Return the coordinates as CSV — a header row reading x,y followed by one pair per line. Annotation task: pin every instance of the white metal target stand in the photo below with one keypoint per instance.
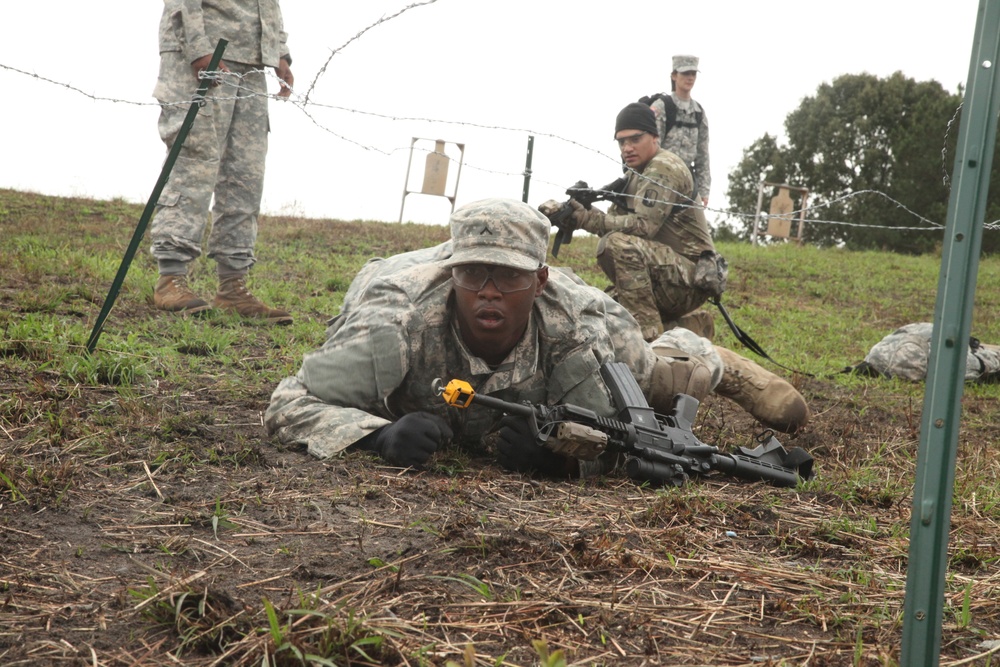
x,y
781,215
435,173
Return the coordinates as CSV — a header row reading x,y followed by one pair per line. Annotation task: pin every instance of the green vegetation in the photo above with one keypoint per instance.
x,y
875,153
147,519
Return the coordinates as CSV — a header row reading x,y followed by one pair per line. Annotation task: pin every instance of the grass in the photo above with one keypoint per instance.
x,y
146,519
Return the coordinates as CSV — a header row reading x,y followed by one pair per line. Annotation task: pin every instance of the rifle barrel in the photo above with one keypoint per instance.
x,y
519,409
752,469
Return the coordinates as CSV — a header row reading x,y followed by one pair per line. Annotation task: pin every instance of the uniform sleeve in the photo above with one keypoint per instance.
x,y
701,161
338,395
196,40
629,346
282,35
651,206
604,332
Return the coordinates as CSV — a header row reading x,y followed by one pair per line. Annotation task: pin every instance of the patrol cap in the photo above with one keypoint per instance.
x,y
498,231
685,63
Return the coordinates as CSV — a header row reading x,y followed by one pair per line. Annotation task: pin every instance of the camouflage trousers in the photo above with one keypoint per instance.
x,y
223,155
651,280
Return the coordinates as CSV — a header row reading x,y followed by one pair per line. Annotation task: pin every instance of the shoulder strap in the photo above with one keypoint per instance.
x,y
669,108
669,112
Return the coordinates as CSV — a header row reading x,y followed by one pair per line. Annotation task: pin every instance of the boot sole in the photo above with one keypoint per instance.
x,y
196,310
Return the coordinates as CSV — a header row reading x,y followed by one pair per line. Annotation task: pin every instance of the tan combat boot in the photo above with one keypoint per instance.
x,y
172,293
234,296
769,398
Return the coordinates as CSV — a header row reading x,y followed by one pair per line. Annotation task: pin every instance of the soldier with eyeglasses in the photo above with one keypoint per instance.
x,y
656,247
482,307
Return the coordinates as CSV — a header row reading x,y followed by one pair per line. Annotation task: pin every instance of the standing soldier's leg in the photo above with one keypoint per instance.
x,y
181,213
238,196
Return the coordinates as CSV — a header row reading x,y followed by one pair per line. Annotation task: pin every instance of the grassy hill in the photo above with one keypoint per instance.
x,y
146,519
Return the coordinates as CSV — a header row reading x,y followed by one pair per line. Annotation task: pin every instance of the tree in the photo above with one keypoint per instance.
x,y
875,153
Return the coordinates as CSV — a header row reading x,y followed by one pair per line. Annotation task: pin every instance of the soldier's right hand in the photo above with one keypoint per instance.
x,y
202,63
411,440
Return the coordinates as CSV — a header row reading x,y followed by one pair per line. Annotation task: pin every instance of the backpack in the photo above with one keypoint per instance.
x,y
905,353
670,111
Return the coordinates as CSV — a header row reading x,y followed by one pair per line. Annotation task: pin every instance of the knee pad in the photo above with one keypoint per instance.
x,y
676,372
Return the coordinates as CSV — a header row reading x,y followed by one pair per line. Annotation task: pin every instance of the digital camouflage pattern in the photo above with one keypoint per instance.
x,y
649,247
224,153
380,360
688,139
253,29
906,351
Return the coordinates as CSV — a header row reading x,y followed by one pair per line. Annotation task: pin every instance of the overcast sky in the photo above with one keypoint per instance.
x,y
485,73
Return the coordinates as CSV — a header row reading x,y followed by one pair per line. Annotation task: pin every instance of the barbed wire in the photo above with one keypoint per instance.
x,y
233,81
946,178
322,70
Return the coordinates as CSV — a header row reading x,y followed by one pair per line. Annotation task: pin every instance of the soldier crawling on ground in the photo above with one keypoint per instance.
x,y
484,307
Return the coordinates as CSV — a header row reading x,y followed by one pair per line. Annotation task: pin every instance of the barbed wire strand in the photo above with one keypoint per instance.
x,y
322,70
301,102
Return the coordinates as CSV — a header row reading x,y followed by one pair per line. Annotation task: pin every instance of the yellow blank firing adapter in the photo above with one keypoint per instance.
x,y
457,393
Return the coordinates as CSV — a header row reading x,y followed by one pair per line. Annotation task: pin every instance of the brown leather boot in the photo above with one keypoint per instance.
x,y
769,398
234,296
172,293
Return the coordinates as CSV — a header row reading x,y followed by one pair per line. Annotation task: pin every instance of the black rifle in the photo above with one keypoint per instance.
x,y
661,449
581,192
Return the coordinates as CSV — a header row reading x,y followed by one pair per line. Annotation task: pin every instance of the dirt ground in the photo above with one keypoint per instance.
x,y
165,528
145,564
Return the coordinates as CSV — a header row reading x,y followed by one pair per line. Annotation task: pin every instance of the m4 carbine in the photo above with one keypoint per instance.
x,y
581,192
660,449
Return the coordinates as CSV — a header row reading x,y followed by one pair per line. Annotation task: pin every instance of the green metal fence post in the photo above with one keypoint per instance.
x,y
196,103
935,477
527,169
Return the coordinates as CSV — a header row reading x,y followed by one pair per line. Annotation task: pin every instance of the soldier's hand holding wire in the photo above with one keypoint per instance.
x,y
285,76
201,64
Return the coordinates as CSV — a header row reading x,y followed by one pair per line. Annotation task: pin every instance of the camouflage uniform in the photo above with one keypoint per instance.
x,y
649,248
688,139
225,150
906,351
380,360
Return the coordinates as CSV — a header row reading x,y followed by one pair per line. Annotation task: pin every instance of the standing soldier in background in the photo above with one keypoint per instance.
x,y
224,152
683,125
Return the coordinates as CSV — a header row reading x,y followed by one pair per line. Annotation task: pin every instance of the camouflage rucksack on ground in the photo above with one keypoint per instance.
x,y
906,351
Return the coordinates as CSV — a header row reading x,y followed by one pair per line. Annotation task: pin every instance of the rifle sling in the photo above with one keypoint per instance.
x,y
744,338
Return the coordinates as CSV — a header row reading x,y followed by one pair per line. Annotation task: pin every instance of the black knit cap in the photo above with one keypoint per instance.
x,y
636,116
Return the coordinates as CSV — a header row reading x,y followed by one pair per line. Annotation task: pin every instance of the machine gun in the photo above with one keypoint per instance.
x,y
660,449
562,218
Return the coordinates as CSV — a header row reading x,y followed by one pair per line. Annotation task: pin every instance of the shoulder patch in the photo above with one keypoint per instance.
x,y
650,197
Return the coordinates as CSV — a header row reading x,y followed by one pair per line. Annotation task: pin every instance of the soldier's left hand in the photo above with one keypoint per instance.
x,y
588,219
285,78
550,208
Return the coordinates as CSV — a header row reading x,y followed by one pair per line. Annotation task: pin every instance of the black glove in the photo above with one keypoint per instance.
x,y
411,440
518,450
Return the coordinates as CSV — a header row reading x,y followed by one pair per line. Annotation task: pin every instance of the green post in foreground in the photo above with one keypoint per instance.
x,y
935,478
196,103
